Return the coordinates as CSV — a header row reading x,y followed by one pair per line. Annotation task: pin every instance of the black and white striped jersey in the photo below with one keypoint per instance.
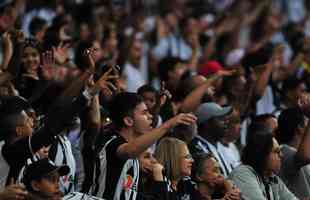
x,y
115,178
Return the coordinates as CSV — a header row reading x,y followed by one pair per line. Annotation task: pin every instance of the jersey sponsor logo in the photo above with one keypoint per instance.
x,y
128,182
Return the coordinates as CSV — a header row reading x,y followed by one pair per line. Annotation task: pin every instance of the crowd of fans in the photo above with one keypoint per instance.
x,y
145,100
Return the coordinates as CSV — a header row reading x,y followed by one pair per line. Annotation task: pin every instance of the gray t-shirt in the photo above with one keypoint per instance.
x,y
297,179
252,187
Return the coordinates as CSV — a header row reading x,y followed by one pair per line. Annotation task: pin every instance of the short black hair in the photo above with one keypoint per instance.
x,y
146,88
259,146
166,65
261,57
185,87
291,83
288,122
199,159
11,108
262,119
8,125
31,42
36,25
122,105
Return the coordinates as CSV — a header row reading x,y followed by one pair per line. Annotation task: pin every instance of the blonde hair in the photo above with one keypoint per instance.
x,y
168,153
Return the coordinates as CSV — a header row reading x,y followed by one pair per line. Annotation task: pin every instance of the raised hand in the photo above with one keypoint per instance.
x,y
164,94
157,171
90,60
277,55
13,192
48,65
7,49
183,118
103,82
227,25
222,73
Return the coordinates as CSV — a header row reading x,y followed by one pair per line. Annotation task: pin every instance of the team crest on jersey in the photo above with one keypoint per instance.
x,y
127,184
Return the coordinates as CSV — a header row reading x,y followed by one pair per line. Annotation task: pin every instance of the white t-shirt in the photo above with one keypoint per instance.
x,y
265,104
172,46
231,154
135,77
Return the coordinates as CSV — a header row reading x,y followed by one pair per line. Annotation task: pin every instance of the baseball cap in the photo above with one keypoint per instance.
x,y
42,168
210,67
210,110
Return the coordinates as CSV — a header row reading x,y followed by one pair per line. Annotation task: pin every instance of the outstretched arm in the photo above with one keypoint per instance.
x,y
133,149
193,100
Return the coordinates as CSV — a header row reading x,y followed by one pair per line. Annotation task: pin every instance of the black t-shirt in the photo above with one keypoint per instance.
x,y
121,175
186,190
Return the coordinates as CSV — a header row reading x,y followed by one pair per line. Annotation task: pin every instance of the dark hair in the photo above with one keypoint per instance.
x,y
31,42
257,30
185,87
291,83
288,122
146,88
198,167
51,38
259,146
261,120
166,65
8,125
122,105
79,58
253,59
183,132
294,36
36,25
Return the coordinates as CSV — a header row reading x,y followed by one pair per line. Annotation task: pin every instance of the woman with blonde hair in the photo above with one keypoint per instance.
x,y
174,155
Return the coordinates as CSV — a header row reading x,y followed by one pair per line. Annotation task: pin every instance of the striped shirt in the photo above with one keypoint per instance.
x,y
115,178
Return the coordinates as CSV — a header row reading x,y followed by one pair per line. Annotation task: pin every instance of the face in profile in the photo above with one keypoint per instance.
x,y
211,175
186,162
147,160
48,186
25,125
274,158
142,119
